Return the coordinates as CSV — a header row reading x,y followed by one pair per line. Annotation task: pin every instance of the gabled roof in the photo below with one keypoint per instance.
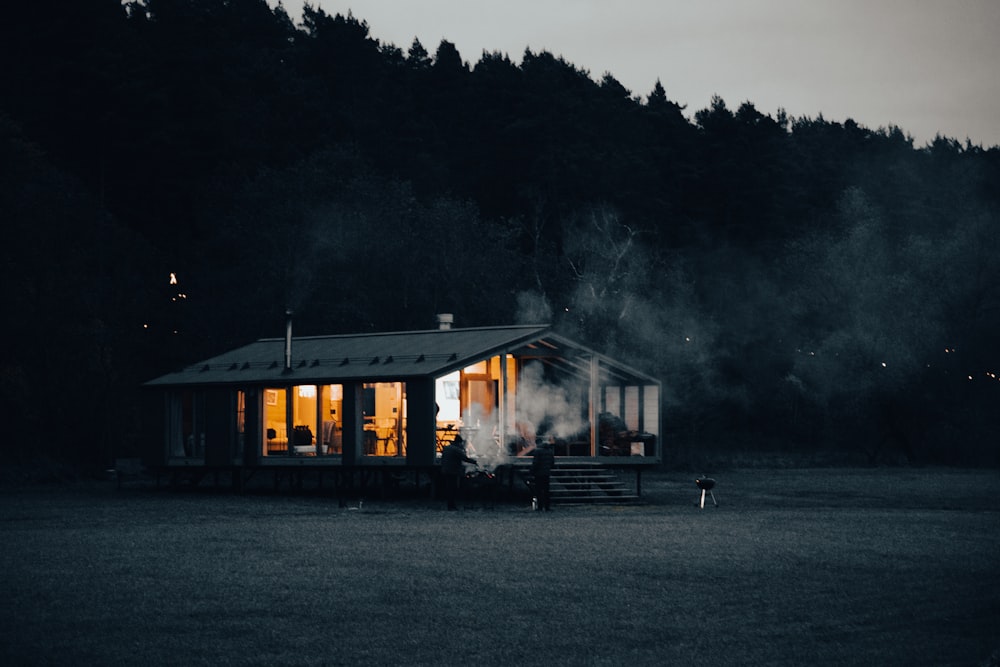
x,y
391,356
375,356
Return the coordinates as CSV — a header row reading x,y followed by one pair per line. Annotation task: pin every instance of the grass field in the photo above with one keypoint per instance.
x,y
795,567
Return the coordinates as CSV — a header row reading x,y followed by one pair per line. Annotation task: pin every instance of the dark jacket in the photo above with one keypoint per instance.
x,y
452,457
543,460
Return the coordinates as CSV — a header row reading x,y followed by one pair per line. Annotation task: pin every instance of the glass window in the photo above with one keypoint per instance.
x,y
468,403
612,400
631,413
651,409
331,405
304,420
275,430
241,421
384,414
630,422
186,434
448,406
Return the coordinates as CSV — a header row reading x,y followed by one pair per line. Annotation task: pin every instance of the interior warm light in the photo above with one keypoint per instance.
x,y
307,391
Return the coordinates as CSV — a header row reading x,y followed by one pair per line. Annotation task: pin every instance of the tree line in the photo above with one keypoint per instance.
x,y
798,283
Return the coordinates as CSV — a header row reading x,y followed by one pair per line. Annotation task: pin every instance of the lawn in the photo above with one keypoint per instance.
x,y
887,566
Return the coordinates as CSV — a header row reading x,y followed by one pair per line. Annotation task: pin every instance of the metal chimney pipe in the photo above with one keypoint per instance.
x,y
288,340
445,321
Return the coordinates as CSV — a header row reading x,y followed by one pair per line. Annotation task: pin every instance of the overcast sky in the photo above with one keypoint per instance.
x,y
928,66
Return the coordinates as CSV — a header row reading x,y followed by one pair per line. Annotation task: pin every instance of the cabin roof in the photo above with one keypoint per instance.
x,y
380,356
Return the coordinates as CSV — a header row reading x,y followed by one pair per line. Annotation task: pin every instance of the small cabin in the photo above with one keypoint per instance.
x,y
395,399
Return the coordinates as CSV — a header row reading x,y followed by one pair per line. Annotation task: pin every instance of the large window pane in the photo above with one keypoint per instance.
x,y
186,425
331,412
651,409
384,412
304,428
275,429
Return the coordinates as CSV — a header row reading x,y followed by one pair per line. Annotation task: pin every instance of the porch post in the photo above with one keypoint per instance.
x,y
595,399
252,426
320,418
420,424
353,423
504,398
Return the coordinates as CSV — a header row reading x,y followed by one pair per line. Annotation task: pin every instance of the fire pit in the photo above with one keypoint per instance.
x,y
706,484
480,485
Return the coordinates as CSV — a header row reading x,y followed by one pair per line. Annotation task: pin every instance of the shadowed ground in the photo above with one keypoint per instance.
x,y
795,567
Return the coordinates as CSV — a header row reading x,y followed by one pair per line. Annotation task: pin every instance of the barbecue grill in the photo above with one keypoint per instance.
x,y
706,484
481,485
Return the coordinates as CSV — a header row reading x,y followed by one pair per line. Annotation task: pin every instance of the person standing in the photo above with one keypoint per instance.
x,y
543,459
453,457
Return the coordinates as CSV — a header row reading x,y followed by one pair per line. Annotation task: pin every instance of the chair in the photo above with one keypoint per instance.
x,y
331,437
385,432
272,446
445,435
370,441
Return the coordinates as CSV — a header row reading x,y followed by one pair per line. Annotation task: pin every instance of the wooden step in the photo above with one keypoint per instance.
x,y
586,484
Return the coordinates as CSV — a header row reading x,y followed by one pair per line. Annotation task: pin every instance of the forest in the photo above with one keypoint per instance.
x,y
175,174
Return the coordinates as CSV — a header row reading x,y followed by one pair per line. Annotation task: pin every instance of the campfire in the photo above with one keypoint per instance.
x,y
481,484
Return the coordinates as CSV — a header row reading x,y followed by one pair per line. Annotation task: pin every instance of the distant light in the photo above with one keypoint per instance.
x,y
173,278
687,339
883,364
970,377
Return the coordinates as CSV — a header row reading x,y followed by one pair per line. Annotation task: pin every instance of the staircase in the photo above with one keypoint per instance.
x,y
585,484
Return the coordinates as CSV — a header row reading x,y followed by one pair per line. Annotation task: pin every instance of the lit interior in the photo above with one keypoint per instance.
x,y
307,420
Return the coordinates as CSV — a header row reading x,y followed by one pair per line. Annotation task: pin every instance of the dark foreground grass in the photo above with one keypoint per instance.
x,y
796,567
